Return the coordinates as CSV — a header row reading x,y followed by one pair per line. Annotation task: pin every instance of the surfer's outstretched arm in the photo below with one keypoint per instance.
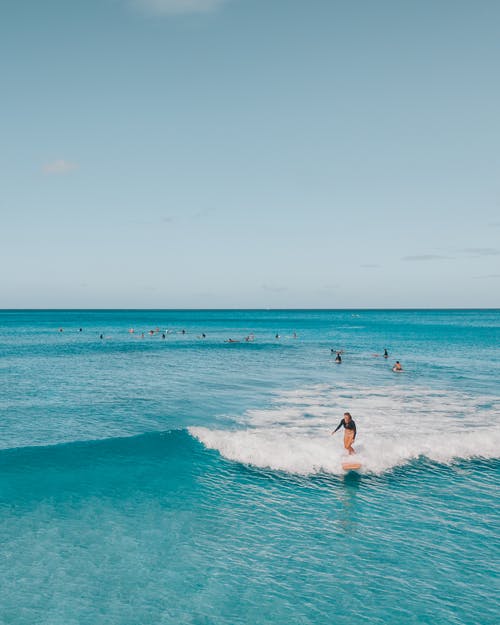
x,y
338,426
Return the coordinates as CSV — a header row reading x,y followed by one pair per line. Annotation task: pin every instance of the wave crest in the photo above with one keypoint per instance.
x,y
395,426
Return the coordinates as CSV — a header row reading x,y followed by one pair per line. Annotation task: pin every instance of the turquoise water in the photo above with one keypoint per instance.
x,y
190,480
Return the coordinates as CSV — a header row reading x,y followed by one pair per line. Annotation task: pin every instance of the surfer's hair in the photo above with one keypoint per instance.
x,y
347,414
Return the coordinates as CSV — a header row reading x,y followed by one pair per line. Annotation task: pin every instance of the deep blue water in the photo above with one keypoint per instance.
x,y
191,480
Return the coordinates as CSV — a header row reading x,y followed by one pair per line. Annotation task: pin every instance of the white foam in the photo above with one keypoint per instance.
x,y
395,426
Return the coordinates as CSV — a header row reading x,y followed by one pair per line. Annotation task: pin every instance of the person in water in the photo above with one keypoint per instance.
x,y
386,353
397,366
349,432
338,358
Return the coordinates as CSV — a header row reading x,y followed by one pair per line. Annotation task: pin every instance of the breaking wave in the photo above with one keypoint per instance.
x,y
395,426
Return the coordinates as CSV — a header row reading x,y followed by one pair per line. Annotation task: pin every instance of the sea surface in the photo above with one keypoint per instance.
x,y
190,480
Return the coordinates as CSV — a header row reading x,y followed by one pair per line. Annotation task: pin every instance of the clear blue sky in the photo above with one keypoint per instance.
x,y
250,153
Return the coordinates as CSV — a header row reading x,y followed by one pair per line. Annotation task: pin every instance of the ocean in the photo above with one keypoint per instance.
x,y
168,476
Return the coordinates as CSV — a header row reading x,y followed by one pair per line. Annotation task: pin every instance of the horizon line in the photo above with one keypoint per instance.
x,y
264,309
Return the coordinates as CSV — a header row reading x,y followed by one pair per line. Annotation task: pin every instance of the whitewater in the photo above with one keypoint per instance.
x,y
395,426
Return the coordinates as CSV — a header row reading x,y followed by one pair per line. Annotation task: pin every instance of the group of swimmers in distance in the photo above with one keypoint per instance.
x,y
251,337
248,338
338,358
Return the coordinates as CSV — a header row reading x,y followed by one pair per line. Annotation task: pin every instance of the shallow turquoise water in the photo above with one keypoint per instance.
x,y
188,480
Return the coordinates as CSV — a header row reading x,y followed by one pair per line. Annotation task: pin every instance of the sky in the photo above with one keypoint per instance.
x,y
249,154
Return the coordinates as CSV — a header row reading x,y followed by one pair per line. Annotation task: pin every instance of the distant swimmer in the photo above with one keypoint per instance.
x,y
277,336
101,336
397,366
203,335
338,358
61,329
131,331
231,341
81,330
163,336
295,335
349,432
386,354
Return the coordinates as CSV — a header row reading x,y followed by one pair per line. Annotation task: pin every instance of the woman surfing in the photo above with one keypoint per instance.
x,y
349,432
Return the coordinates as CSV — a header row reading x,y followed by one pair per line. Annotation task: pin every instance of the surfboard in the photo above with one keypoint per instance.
x,y
349,465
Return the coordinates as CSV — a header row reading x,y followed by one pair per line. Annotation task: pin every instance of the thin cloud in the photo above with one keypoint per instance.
x,y
204,212
370,266
176,7
481,251
330,287
153,222
424,257
59,167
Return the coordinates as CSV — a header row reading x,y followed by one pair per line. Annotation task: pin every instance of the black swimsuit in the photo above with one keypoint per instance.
x,y
348,426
